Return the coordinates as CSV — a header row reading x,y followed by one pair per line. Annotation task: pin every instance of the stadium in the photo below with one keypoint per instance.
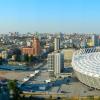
x,y
86,65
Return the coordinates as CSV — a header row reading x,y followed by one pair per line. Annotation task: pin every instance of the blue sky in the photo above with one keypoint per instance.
x,y
50,16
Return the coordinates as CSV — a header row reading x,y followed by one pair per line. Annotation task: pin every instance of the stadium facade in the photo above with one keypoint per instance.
x,y
86,64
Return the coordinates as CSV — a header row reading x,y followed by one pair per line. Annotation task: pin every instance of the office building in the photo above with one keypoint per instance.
x,y
94,37
83,44
58,63
96,40
56,44
50,63
55,63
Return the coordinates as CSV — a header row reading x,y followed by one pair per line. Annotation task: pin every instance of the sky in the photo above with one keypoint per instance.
x,y
22,16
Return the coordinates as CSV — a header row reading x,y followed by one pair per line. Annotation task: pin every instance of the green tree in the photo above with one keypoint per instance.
x,y
26,57
90,97
30,58
17,52
18,58
9,56
50,98
14,90
1,61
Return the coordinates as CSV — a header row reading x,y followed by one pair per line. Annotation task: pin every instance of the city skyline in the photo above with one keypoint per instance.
x,y
49,16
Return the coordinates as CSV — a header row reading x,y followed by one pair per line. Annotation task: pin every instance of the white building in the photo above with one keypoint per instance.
x,y
55,63
94,39
29,43
56,44
58,63
83,44
51,62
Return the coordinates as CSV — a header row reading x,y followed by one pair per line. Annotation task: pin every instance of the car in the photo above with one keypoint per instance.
x,y
32,90
91,89
63,92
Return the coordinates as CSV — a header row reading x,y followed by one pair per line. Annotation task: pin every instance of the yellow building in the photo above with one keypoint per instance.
x,y
90,42
13,57
4,54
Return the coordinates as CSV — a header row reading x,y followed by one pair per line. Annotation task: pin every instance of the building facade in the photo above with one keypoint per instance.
x,y
56,44
34,49
58,63
55,63
36,46
86,65
50,63
95,40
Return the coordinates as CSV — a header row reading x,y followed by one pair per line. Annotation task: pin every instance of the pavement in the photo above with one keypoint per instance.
x,y
75,88
18,75
72,88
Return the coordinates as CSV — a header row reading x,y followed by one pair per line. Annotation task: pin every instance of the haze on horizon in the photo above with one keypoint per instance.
x,y
49,16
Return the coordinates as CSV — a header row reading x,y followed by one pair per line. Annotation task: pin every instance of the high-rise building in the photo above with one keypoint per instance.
x,y
58,63
55,63
56,44
83,44
99,40
50,63
36,46
95,40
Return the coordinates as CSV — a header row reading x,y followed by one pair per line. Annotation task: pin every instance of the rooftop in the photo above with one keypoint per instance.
x,y
87,63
